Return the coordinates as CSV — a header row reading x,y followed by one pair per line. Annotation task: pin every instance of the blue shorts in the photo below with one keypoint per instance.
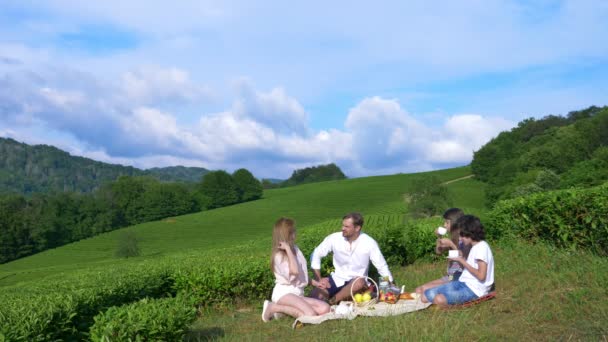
x,y
456,292
333,289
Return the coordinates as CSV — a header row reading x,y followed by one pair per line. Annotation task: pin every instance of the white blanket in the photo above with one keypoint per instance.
x,y
346,310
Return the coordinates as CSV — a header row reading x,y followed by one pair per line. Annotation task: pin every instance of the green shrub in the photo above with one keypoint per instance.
x,y
63,308
573,219
165,319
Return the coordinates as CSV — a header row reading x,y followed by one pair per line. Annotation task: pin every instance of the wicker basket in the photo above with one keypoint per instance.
x,y
369,302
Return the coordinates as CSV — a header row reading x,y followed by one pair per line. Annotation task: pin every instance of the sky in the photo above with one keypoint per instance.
x,y
377,88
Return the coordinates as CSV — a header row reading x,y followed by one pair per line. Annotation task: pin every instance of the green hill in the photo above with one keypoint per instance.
x,y
308,204
551,153
28,169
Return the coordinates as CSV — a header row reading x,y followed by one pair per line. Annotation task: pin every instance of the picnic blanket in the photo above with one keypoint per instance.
x,y
377,309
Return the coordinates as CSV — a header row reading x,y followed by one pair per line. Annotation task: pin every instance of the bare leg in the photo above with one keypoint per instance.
x,y
440,300
299,303
320,294
286,309
420,289
319,306
344,293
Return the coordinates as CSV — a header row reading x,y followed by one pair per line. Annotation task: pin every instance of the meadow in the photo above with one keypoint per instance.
x,y
308,204
544,292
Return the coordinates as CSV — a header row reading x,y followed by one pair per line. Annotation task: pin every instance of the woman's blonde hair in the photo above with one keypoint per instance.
x,y
284,231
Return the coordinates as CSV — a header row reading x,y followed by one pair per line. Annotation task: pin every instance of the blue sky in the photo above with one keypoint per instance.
x,y
377,88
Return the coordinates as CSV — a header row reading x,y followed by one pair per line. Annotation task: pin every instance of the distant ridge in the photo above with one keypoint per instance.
x,y
28,169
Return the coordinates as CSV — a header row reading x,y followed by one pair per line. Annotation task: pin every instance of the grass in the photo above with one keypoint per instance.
x,y
544,294
308,204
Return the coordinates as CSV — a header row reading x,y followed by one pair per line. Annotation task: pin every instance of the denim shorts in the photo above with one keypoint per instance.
x,y
456,292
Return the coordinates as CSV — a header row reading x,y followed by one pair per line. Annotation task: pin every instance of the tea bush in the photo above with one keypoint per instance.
x,y
165,319
64,308
576,218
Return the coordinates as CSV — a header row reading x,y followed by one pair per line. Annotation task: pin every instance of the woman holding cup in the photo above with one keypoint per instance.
x,y
452,245
478,276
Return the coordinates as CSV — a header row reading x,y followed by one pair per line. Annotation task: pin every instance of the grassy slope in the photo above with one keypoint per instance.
x,y
544,294
308,204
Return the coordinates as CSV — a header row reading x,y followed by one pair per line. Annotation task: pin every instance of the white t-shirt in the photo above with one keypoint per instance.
x,y
350,259
480,251
281,270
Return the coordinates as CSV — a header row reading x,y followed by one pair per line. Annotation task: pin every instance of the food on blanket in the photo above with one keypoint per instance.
x,y
390,298
407,295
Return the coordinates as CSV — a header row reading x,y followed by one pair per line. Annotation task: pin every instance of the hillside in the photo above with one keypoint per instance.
x,y
28,169
551,153
218,228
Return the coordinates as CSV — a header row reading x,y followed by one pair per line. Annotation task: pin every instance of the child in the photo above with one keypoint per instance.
x,y
291,276
478,275
454,269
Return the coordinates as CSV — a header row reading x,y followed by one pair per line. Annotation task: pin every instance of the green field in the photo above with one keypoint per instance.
x,y
544,293
308,204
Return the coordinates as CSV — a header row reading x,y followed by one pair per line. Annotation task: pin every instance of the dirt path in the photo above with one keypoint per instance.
x,y
457,179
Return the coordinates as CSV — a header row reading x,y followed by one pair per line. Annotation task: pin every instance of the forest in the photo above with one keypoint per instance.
x,y
31,224
27,169
555,152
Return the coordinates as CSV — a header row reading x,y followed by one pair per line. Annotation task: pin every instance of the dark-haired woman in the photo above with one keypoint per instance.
x,y
478,275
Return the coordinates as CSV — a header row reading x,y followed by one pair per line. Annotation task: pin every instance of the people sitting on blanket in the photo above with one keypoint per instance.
x,y
352,251
443,244
291,276
478,275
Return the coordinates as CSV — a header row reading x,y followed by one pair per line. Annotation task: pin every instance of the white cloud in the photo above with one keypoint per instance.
x,y
157,85
273,109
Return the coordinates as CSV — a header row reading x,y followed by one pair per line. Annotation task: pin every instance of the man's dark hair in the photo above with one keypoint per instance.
x,y
356,217
453,214
471,227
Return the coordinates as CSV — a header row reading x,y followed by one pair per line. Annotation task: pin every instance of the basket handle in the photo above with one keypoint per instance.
x,y
364,278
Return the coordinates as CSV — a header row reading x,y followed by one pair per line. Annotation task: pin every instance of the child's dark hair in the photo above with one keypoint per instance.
x,y
453,214
471,227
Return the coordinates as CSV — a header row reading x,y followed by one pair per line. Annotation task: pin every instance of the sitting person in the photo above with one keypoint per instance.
x,y
291,276
454,268
352,251
478,275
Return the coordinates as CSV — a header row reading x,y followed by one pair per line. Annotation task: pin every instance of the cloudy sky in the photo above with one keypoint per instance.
x,y
375,87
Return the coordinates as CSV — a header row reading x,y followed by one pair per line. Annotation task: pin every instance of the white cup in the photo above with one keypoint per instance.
x,y
442,231
453,253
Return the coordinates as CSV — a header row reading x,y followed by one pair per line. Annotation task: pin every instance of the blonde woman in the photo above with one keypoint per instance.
x,y
291,276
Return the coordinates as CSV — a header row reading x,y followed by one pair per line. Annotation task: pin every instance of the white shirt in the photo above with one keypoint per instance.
x,y
481,251
281,270
351,259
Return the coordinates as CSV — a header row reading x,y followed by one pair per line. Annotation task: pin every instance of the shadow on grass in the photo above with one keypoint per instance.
x,y
206,334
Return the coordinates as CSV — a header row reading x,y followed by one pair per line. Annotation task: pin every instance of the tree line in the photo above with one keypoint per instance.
x,y
31,224
26,169
555,152
312,174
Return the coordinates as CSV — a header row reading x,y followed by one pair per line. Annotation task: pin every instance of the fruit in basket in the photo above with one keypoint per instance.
x,y
367,296
358,298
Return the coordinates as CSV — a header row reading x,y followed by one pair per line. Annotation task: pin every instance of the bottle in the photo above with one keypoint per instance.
x,y
382,288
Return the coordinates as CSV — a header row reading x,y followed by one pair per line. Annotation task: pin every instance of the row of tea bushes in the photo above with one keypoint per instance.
x,y
576,218
165,319
64,308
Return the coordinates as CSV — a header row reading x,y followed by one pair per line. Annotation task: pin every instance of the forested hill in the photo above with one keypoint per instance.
x,y
28,169
554,152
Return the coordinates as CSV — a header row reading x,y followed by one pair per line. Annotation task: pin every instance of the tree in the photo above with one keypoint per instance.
x,y
248,187
220,188
128,245
428,197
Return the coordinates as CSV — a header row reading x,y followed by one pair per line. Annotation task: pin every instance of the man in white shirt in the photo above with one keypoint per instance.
x,y
352,251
